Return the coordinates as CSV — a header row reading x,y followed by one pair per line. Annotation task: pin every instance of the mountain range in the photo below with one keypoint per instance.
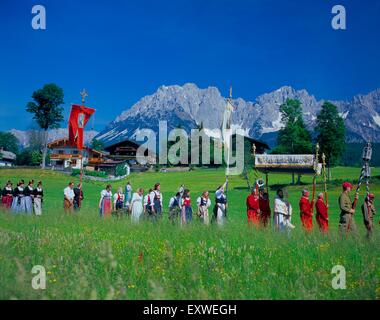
x,y
188,106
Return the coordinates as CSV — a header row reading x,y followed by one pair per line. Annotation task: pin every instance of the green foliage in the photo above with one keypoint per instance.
x,y
352,155
46,106
8,142
294,138
330,133
29,157
120,170
36,157
97,145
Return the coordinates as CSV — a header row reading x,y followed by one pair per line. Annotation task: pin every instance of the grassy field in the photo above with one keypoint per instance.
x,y
89,258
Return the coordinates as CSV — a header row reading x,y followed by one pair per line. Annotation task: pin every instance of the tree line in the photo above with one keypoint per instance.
x,y
329,132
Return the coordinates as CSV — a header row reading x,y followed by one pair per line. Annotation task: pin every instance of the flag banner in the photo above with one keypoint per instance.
x,y
79,117
227,133
302,163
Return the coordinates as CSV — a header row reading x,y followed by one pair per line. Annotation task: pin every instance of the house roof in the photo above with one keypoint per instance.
x,y
63,142
104,153
122,142
7,155
58,143
256,142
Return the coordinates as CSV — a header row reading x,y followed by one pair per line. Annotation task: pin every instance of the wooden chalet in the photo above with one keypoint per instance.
x,y
63,156
123,150
7,158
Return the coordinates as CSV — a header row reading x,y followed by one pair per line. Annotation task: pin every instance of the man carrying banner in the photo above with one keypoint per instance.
x,y
68,198
346,222
368,210
322,216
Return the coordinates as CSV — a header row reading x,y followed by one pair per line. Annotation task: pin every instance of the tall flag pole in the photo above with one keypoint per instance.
x,y
316,161
226,134
325,178
79,117
83,94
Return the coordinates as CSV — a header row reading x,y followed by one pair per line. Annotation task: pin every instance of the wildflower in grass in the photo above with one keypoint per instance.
x,y
141,256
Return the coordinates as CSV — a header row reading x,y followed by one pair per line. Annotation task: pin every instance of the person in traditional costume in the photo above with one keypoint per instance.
x,y
368,210
78,197
346,222
128,195
156,201
282,212
253,208
322,215
264,206
7,196
38,195
137,205
306,211
147,204
68,198
28,197
18,204
118,199
204,203
175,207
186,209
220,204
105,203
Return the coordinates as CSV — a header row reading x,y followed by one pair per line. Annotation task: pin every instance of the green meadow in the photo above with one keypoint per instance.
x,y
86,257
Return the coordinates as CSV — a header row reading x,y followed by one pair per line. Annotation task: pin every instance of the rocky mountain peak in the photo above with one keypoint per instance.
x,y
189,105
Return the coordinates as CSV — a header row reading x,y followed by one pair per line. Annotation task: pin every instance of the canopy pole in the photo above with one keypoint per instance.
x,y
325,178
83,94
365,172
315,175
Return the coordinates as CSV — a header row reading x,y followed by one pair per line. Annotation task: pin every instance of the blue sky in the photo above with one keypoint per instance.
x,y
122,50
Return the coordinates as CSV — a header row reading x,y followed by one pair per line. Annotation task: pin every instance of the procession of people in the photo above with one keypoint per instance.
x,y
28,199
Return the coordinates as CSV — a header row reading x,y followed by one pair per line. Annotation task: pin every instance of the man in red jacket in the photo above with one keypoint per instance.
x,y
322,214
306,211
253,208
264,207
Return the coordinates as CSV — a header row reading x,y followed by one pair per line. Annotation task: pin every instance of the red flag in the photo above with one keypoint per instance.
x,y
79,116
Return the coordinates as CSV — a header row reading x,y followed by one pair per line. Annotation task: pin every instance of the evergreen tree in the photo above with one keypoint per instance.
x,y
293,138
330,132
97,145
8,142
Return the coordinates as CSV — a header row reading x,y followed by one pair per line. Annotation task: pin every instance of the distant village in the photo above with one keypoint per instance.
x,y
113,160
